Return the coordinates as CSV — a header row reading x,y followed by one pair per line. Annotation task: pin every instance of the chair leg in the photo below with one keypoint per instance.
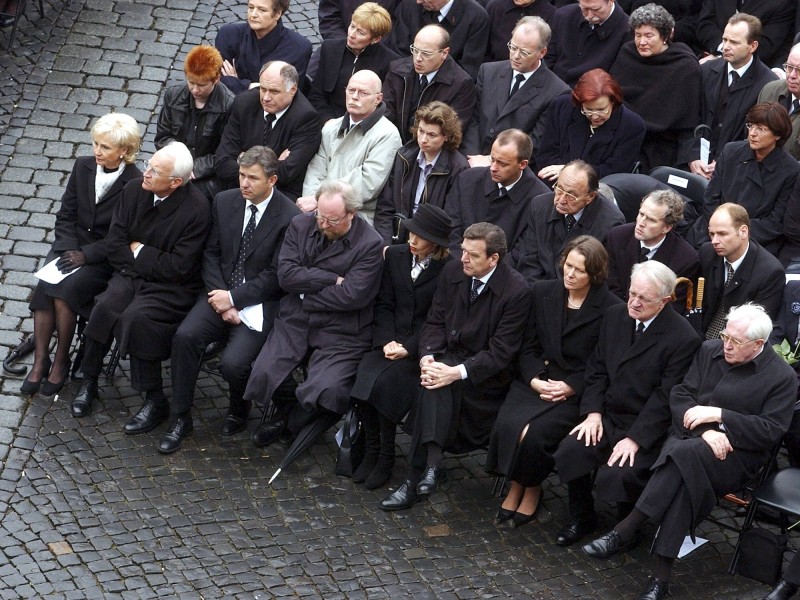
x,y
748,522
41,9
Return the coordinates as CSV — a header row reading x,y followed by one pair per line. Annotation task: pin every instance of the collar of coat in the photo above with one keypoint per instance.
x,y
365,124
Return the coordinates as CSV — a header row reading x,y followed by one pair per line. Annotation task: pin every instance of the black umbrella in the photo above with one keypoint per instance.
x,y
22,349
694,302
309,434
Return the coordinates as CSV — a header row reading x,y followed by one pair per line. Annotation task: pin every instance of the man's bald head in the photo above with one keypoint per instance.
x,y
363,94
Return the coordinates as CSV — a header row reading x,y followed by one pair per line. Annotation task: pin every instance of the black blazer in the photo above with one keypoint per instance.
x,y
261,263
298,131
759,279
613,148
82,223
785,326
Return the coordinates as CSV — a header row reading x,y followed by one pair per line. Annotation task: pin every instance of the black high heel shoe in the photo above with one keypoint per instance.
x,y
49,388
29,388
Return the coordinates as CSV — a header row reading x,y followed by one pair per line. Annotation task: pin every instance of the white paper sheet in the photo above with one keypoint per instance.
x,y
50,273
253,317
690,546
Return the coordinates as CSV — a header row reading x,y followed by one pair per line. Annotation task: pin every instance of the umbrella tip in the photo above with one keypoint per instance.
x,y
274,475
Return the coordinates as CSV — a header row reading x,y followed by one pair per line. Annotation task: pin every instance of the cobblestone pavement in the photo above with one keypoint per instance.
x,y
88,512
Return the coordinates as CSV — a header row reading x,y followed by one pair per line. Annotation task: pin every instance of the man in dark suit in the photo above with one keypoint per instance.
x,y
330,268
154,244
651,237
465,21
468,343
574,208
730,411
787,93
776,16
644,349
241,296
500,194
730,87
278,116
586,35
736,269
513,93
430,74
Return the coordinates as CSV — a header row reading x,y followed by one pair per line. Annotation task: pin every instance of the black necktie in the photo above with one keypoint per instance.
x,y
570,222
718,320
268,122
517,83
795,106
237,278
431,17
643,254
734,78
416,96
639,331
473,294
501,192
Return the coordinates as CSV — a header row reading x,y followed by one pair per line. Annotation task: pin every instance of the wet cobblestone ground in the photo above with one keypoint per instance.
x,y
88,512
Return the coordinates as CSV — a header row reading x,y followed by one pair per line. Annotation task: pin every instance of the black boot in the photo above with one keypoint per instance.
x,y
372,440
383,468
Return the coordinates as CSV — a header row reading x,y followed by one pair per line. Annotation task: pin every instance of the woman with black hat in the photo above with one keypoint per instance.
x,y
388,379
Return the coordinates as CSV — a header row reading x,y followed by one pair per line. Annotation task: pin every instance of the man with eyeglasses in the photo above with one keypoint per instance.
x,y
731,409
736,269
499,194
429,74
574,207
730,87
465,20
358,148
786,92
644,349
513,93
276,115
155,243
330,268
586,36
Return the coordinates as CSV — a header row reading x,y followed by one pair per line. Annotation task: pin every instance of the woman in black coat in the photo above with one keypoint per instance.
x,y
340,58
542,405
591,124
82,223
388,379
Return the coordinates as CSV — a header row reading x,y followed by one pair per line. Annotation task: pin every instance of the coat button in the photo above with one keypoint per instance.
x,y
453,332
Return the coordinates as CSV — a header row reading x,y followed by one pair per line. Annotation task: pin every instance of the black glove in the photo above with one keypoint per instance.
x,y
71,260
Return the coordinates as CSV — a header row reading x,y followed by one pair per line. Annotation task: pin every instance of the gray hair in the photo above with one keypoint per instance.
x,y
288,73
262,156
352,201
659,274
183,163
541,27
656,17
759,323
669,199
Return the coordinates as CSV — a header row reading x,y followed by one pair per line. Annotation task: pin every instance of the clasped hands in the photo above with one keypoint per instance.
x,y
394,351
436,375
70,260
552,390
718,442
220,301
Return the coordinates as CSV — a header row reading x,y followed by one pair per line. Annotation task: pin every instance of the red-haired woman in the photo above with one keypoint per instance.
x,y
195,113
590,124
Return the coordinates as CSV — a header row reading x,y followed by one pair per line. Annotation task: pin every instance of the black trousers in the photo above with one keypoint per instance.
x,y
201,327
673,512
145,373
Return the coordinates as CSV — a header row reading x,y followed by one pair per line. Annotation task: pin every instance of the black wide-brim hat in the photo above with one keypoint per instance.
x,y
430,223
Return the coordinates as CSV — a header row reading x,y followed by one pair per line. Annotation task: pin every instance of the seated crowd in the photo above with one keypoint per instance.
x,y
305,210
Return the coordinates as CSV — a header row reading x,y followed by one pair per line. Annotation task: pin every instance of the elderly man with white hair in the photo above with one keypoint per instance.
x,y
734,405
155,243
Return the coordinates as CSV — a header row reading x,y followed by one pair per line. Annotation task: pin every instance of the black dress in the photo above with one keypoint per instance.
x,y
82,224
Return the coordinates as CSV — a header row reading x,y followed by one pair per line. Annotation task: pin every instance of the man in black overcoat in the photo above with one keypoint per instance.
x,y
644,349
330,268
155,244
240,295
468,343
276,115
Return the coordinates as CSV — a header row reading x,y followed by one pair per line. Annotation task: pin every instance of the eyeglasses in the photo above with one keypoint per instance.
x,y
791,68
331,222
759,129
154,171
423,53
588,112
726,339
514,48
562,192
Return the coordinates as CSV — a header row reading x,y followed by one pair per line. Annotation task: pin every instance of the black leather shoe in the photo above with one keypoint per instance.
x,y
783,591
6,20
655,590
51,389
504,514
403,497
519,519
268,432
432,478
28,387
236,419
84,398
172,439
573,531
150,416
609,544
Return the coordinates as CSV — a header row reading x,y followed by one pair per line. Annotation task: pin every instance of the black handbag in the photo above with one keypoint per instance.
x,y
761,555
351,447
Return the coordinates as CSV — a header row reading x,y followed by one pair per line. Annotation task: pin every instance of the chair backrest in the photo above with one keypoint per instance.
x,y
689,185
629,189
